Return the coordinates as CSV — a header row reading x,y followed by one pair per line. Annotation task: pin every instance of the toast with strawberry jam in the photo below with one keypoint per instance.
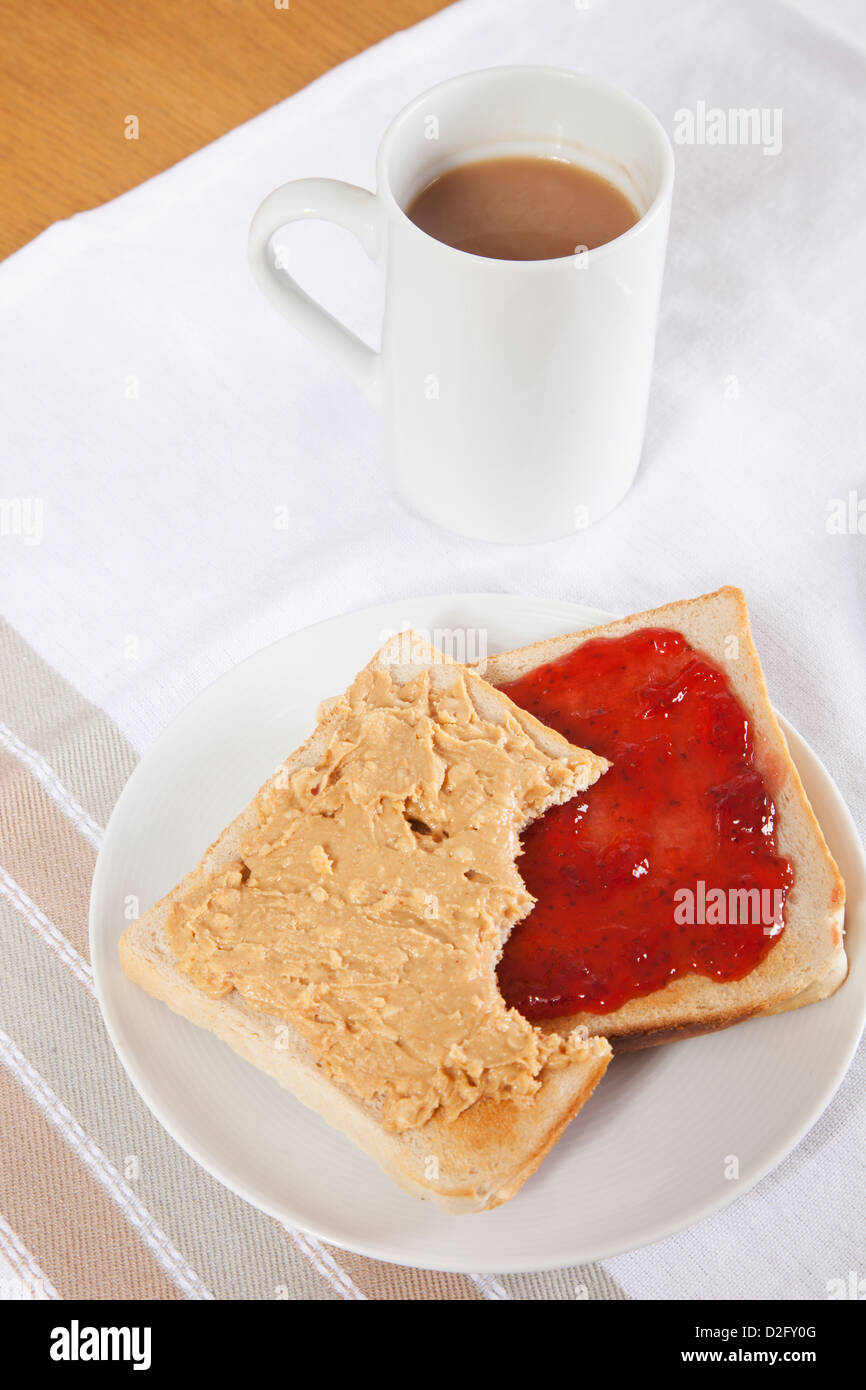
x,y
692,887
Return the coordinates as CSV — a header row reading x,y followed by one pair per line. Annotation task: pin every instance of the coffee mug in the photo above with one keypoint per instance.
x,y
514,392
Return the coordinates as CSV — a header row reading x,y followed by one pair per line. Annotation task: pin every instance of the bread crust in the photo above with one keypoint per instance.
x,y
472,1163
808,962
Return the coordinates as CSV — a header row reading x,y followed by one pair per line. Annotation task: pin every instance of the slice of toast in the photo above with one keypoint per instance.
x,y
808,962
468,1162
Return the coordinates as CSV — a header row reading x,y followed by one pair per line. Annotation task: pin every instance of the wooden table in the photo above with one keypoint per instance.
x,y
73,71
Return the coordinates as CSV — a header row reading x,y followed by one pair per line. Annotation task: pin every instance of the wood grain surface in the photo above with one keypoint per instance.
x,y
72,71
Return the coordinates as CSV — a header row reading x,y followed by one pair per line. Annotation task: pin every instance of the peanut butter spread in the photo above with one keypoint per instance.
x,y
369,906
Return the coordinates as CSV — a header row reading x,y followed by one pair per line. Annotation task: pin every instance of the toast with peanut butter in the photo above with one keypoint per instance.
x,y
343,933
720,818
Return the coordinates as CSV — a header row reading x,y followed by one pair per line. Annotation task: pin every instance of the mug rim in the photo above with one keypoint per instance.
x,y
662,197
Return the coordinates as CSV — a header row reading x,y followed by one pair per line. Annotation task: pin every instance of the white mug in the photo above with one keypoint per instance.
x,y
515,392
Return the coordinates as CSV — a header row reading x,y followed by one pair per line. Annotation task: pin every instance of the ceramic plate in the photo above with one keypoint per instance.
x,y
644,1158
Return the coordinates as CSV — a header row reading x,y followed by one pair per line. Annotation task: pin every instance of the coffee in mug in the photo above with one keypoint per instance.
x,y
522,208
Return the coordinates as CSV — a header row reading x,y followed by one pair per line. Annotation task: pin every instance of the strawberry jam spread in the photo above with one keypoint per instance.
x,y
638,881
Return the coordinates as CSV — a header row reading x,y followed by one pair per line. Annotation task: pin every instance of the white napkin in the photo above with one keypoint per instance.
x,y
159,413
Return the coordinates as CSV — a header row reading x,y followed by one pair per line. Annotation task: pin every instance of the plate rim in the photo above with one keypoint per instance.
x,y
699,1209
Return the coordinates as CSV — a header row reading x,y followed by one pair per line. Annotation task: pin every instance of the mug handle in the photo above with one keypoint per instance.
x,y
327,200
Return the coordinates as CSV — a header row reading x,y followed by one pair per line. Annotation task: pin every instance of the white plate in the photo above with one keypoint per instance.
x,y
644,1158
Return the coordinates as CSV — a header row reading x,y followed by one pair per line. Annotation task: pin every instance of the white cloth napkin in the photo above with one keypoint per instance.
x,y
158,415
